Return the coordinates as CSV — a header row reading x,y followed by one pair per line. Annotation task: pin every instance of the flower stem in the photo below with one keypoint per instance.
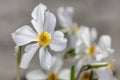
x,y
72,76
90,66
19,51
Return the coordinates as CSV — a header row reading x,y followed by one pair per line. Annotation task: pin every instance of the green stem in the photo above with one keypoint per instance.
x,y
90,66
72,73
19,51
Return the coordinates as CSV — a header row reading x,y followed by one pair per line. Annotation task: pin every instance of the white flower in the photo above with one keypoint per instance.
x,y
56,73
104,49
65,16
105,74
44,23
85,41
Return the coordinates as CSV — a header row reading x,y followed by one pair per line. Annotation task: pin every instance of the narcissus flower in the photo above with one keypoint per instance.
x,y
44,39
57,73
85,42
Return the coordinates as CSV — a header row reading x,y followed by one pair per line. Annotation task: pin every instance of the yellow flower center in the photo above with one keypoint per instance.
x,y
111,66
53,76
44,38
75,28
86,76
91,50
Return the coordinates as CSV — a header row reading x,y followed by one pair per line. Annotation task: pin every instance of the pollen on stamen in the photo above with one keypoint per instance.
x,y
111,65
44,39
91,50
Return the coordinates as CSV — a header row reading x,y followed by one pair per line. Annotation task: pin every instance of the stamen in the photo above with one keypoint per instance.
x,y
44,38
111,66
91,50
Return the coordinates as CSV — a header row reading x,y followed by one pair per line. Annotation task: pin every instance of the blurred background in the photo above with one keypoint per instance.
x,y
102,14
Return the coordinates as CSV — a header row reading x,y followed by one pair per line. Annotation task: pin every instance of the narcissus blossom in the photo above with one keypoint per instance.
x,y
86,38
44,38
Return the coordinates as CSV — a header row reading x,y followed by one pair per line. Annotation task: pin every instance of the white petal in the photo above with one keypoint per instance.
x,y
85,35
58,34
64,74
57,64
65,16
79,47
105,42
105,74
101,56
24,35
58,42
37,26
70,10
30,50
50,22
45,58
38,14
72,41
93,34
79,65
36,75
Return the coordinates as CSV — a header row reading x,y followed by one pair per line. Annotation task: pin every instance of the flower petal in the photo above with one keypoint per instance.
x,y
45,58
64,74
57,64
38,14
58,42
93,34
50,22
36,75
101,56
84,33
105,74
30,50
105,42
24,35
65,16
79,46
37,26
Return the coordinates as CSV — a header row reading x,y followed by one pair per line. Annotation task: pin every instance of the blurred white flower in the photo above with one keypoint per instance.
x,y
104,49
44,23
105,74
55,74
85,40
73,36
65,16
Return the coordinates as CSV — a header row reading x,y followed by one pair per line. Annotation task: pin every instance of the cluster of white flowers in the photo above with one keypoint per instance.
x,y
81,47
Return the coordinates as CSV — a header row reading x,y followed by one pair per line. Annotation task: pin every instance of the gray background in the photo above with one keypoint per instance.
x,y
102,14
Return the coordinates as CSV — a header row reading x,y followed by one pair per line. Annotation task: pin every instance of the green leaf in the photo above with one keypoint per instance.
x,y
72,73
